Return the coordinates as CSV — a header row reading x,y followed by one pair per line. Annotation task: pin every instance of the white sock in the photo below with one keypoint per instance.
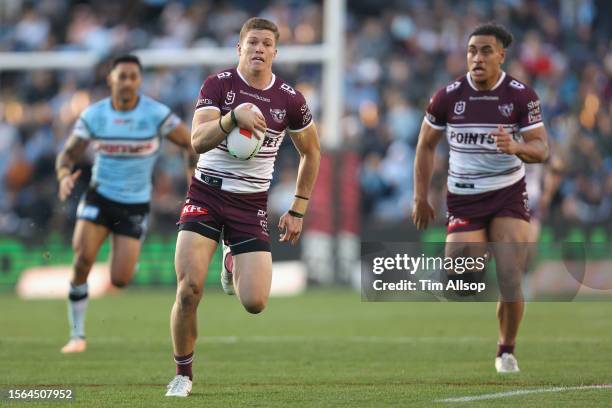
x,y
77,306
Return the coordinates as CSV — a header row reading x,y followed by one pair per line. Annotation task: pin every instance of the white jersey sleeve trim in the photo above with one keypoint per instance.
x,y
534,126
169,124
299,130
208,107
437,127
81,129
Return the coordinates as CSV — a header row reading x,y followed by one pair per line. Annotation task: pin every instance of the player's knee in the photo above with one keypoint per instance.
x,y
119,282
255,306
83,264
189,294
510,286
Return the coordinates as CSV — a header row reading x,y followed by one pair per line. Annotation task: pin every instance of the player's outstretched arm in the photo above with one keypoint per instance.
x,y
533,149
73,149
181,137
209,128
429,138
307,144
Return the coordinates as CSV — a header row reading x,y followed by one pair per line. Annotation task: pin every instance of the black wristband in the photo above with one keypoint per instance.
x,y
233,116
301,197
221,126
295,214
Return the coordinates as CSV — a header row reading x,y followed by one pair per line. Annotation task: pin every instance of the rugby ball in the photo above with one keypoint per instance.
x,y
242,143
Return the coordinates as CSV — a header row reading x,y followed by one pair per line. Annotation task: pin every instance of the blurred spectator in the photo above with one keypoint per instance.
x,y
397,54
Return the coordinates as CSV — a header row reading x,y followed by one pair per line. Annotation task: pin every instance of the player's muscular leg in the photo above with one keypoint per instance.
x,y
192,257
252,279
510,236
471,244
86,242
124,256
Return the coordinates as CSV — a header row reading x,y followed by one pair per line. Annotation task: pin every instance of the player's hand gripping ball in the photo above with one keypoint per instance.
x,y
242,143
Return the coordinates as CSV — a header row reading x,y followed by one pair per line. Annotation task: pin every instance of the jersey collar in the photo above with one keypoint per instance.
x,y
247,82
497,84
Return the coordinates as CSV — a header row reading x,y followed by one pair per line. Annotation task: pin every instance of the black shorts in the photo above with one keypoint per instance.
x,y
122,219
242,218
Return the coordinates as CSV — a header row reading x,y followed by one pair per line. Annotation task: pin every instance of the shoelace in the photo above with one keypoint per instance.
x,y
178,384
511,362
174,381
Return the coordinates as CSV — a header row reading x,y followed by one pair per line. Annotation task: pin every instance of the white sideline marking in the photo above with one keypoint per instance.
x,y
524,392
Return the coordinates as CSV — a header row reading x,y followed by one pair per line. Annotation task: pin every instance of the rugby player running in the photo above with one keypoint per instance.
x,y
493,124
127,130
229,196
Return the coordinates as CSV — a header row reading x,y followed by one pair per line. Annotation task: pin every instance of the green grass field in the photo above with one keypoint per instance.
x,y
325,348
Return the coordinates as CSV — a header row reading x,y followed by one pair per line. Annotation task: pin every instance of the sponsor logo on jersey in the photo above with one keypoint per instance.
x,y
204,101
484,98
459,108
516,84
224,75
229,97
122,121
305,111
533,105
471,137
453,86
125,148
278,114
287,89
271,141
533,118
506,109
191,210
430,117
534,112
252,95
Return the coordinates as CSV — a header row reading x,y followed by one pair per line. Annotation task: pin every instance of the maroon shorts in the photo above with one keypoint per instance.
x,y
242,218
471,212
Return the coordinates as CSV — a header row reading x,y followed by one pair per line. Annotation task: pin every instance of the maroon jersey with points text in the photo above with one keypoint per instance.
x,y
282,106
469,116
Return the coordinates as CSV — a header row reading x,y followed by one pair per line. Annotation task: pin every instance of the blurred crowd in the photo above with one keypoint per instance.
x,y
397,54
38,108
401,53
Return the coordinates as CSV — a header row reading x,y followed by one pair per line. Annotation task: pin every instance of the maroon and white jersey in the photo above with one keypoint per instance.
x,y
469,116
282,106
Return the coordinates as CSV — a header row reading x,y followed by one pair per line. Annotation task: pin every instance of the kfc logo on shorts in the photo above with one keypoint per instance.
x,y
454,222
190,210
229,97
459,108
